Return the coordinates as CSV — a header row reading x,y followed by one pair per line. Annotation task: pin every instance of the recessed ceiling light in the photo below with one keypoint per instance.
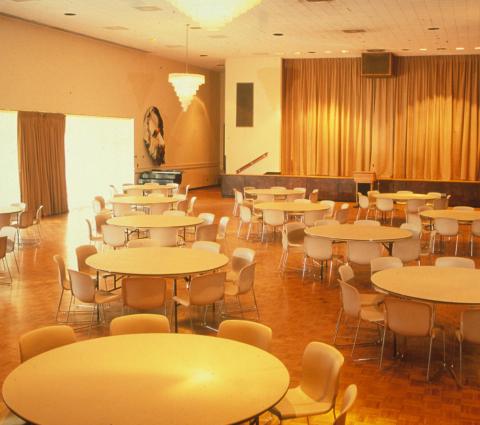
x,y
70,14
147,8
203,56
459,48
375,50
422,49
297,53
433,29
406,50
312,52
327,51
277,34
116,28
344,51
353,31
477,48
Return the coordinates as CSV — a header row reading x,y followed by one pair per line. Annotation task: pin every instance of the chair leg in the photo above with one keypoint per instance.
x,y
255,302
337,326
355,338
460,350
383,346
249,229
59,304
304,266
456,245
429,358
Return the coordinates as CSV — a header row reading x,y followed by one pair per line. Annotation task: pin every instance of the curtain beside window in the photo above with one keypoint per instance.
x,y
41,154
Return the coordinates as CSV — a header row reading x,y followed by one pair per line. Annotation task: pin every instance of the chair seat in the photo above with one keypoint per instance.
x,y
298,404
371,299
231,289
372,314
231,276
103,297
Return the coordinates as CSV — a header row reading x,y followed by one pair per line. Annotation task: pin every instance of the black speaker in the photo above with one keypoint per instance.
x,y
244,104
377,64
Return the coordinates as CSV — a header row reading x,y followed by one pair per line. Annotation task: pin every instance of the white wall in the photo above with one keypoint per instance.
x,y
243,144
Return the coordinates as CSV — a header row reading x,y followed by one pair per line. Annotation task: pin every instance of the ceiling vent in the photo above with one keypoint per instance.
x,y
375,50
318,1
354,31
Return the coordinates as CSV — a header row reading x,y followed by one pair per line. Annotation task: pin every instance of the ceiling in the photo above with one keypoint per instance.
x,y
310,29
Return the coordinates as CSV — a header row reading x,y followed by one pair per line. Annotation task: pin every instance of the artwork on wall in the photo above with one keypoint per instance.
x,y
153,135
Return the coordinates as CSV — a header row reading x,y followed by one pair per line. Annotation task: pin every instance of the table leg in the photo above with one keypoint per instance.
x,y
175,305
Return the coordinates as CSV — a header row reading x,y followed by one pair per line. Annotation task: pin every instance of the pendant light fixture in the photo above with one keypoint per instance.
x,y
186,84
214,14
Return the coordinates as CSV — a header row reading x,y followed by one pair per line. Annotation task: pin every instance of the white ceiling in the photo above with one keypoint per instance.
x,y
393,25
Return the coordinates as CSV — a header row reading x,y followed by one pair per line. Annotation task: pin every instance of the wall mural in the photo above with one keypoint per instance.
x,y
153,135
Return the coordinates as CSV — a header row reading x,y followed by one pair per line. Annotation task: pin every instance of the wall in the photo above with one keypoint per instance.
x,y
48,70
243,144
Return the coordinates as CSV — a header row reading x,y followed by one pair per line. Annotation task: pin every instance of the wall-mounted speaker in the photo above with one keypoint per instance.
x,y
377,64
244,105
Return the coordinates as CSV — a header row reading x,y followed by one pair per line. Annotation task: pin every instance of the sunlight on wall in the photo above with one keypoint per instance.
x,y
9,183
98,153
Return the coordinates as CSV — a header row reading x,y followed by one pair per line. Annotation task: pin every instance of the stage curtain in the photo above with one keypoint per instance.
x,y
41,154
421,124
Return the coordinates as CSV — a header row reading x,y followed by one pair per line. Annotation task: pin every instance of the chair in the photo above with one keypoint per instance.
x,y
165,236
413,205
384,206
44,339
5,219
247,196
409,249
113,236
11,233
349,397
207,246
292,237
317,392
99,205
191,205
445,227
139,324
100,220
384,263
273,219
242,285
239,198
144,242
204,290
411,318
157,209
25,222
467,332
318,250
342,214
358,307
175,213
84,290
441,203
63,281
91,236
346,273
208,218
143,293
466,263
364,204
474,232
313,197
248,332
367,223
114,189
120,210
247,217
361,252
37,221
331,208
206,232
3,255
222,231
83,252
311,217
240,258
294,196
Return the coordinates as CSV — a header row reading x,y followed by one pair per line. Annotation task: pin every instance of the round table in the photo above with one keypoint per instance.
x,y
147,379
459,215
291,207
154,221
144,200
356,232
274,192
450,285
405,196
10,210
147,187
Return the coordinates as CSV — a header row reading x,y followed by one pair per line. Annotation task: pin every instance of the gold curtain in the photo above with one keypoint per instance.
x,y
41,155
423,123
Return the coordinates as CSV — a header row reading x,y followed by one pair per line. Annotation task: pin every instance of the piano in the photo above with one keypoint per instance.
x,y
161,176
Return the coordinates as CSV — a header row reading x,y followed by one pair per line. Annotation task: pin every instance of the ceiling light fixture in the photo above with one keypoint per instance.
x,y
477,48
70,14
422,49
459,48
185,84
213,14
277,34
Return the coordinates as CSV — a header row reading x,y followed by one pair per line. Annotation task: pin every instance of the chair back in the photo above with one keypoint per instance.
x,y
208,218
317,248
241,257
330,205
384,204
407,250
310,217
238,196
157,209
440,204
363,201
98,204
349,397
371,196
246,278
293,233
346,272
321,366
207,246
191,205
175,213
39,214
367,223
5,219
11,233
144,242
408,317
207,288
350,299
384,263
3,246
313,197
446,226
100,220
362,252
83,252
342,215
470,325
164,236
246,331
83,286
273,217
143,293
414,204
222,227
139,324
475,228
206,232
415,222
44,339
61,272
245,214
113,236
466,263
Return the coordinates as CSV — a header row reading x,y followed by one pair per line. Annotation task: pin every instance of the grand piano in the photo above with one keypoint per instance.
x,y
161,176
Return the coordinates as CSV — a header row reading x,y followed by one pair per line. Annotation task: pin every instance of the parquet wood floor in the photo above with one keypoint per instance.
x,y
298,311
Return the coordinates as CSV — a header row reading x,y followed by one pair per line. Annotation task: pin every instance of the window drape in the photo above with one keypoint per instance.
x,y
423,123
41,155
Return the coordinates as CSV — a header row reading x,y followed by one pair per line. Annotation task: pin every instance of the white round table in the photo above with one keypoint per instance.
x,y
449,285
405,196
10,210
146,379
144,200
459,215
274,192
291,207
147,187
154,221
